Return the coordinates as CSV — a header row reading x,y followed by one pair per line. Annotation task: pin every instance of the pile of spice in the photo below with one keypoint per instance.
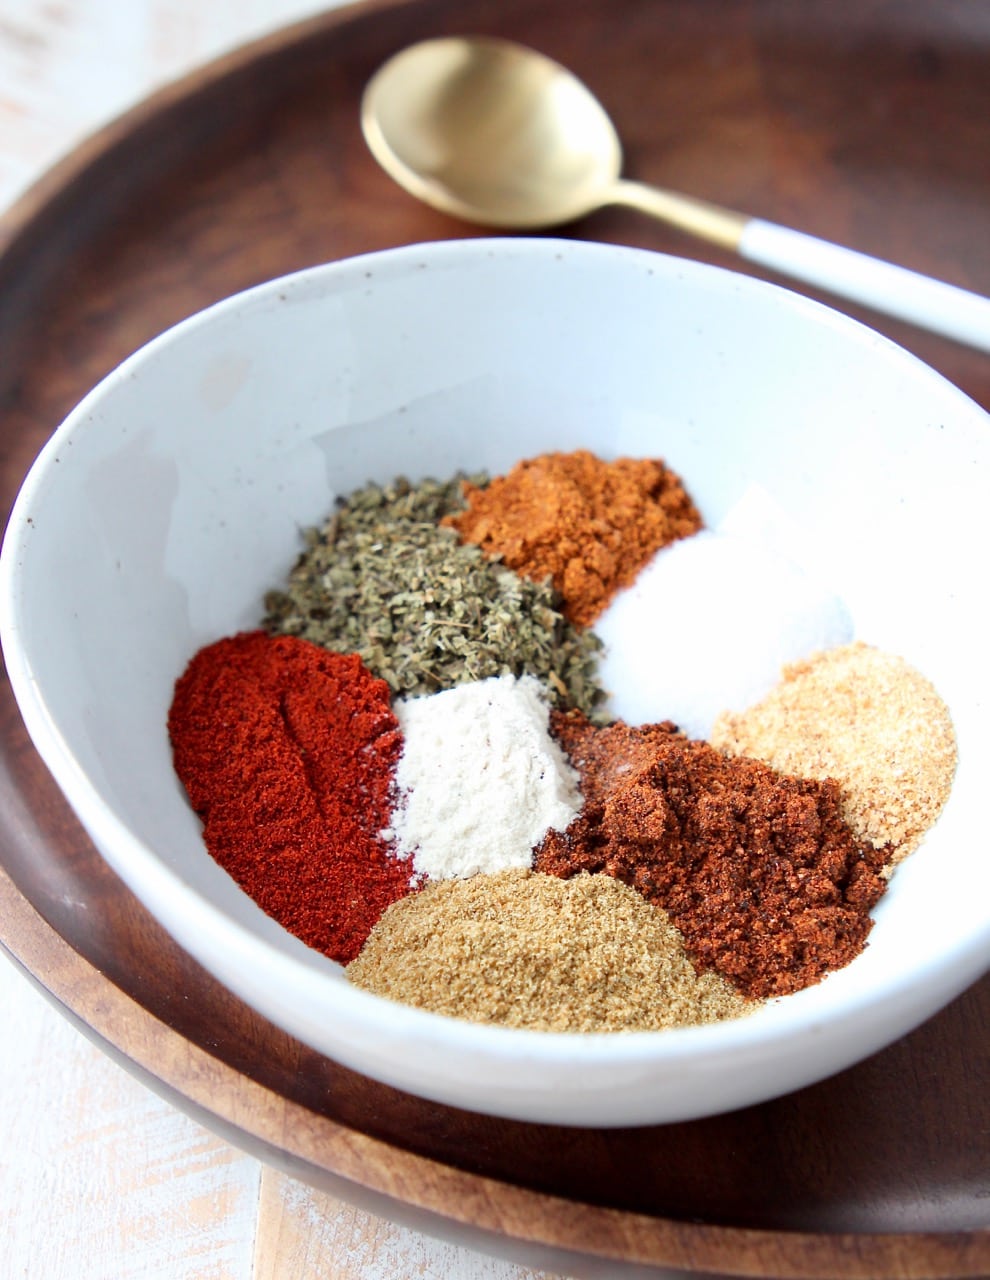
x,y
288,753
869,721
588,525
385,579
527,950
758,870
753,611
480,779
413,766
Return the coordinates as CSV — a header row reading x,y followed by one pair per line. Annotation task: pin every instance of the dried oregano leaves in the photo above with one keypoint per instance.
x,y
423,611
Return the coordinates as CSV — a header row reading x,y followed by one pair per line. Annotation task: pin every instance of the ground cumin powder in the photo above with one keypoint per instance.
x,y
870,721
758,871
587,524
527,950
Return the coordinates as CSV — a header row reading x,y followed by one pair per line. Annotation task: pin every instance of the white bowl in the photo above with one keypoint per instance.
x,y
171,499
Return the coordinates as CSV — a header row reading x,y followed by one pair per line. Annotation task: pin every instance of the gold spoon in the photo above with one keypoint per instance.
x,y
498,134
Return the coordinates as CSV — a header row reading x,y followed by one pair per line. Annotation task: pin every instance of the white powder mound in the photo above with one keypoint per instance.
x,y
708,625
480,778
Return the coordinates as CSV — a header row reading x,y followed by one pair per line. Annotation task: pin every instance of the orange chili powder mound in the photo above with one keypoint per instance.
x,y
757,869
288,754
587,524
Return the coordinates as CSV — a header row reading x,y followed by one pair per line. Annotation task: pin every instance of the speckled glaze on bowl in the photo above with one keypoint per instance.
x,y
171,499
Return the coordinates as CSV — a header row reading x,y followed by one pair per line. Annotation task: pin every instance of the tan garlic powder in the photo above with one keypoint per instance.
x,y
870,721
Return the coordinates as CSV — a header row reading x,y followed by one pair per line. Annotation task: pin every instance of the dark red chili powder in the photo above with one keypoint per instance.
x,y
757,869
288,755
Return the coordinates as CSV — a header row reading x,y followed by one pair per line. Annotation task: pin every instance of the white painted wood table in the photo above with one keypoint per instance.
x,y
100,1179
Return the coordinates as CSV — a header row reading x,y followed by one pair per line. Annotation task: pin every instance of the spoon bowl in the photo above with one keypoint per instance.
x,y
492,133
500,135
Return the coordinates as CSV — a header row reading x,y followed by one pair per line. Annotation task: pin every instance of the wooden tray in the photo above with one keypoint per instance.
x,y
868,123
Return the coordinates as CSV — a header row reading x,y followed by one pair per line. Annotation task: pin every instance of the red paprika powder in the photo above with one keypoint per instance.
x,y
288,754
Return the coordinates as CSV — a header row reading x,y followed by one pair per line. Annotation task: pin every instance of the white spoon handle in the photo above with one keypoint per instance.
x,y
894,290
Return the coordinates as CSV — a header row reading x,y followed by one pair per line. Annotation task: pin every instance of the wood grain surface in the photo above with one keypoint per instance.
x,y
864,122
